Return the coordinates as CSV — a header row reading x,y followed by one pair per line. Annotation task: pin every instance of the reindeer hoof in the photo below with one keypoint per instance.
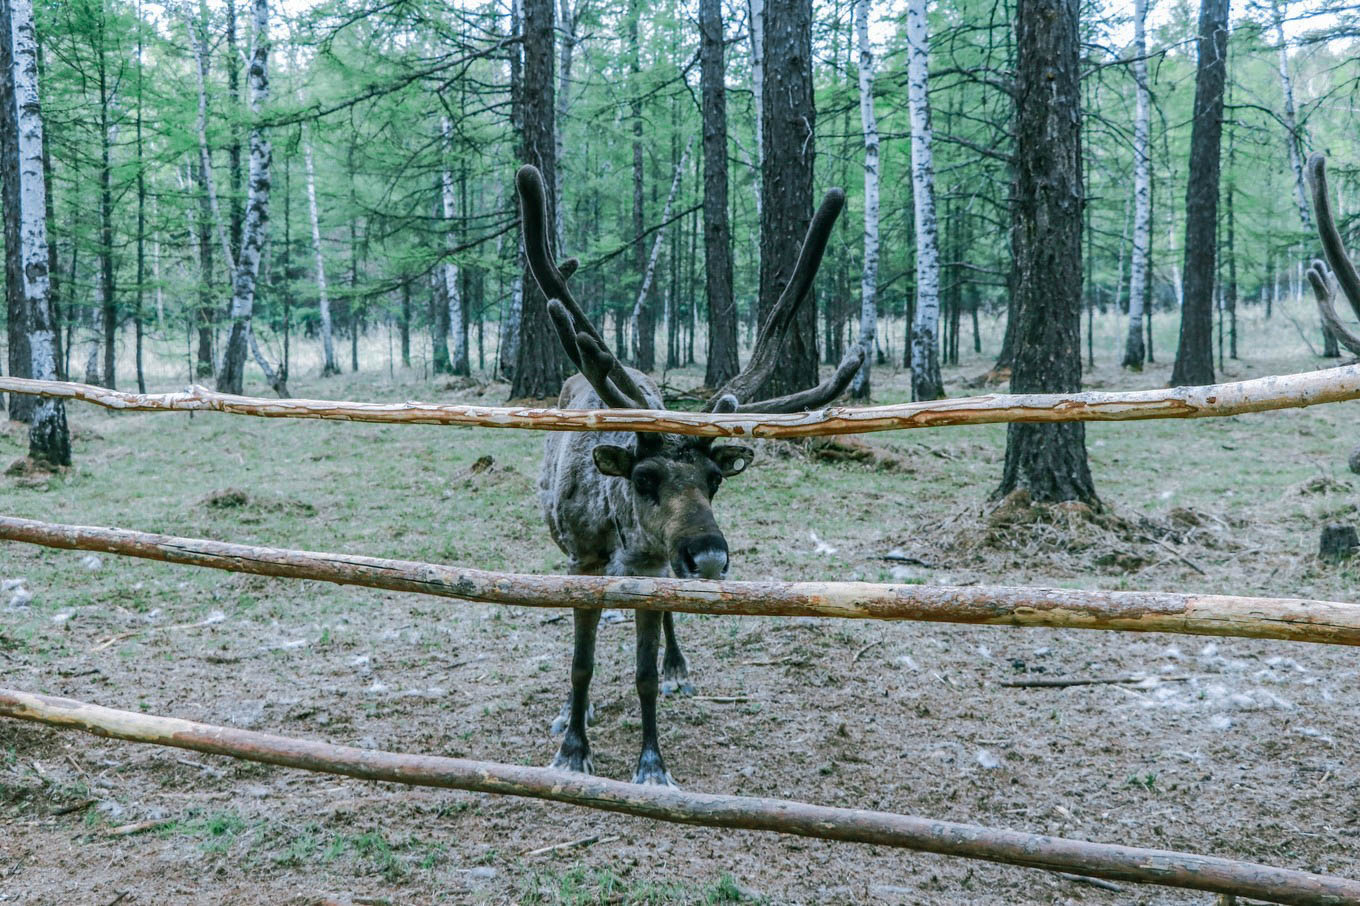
x,y
576,761
651,771
675,679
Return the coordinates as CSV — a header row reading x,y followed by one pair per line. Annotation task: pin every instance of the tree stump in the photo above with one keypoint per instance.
x,y
1338,542
1354,461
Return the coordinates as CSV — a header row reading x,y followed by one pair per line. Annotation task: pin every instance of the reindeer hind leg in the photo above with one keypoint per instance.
x,y
674,666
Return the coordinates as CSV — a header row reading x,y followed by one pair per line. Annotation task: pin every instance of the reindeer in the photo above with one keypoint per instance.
x,y
1340,277
623,504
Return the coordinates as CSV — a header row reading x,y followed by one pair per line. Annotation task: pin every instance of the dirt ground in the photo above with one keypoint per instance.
x,y
1232,747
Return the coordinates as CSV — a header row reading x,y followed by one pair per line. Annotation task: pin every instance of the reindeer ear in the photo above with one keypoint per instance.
x,y
732,459
612,460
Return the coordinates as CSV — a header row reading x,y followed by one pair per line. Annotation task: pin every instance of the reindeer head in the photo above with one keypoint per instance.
x,y
673,477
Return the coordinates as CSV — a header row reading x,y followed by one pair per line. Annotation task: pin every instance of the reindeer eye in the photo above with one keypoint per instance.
x,y
647,481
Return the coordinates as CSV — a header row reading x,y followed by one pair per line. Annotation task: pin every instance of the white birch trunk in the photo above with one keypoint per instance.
x,y
204,154
449,268
328,366
1134,347
1290,121
256,225
48,437
925,357
656,248
868,311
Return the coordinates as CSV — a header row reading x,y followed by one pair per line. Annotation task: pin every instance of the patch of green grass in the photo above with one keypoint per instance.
x,y
586,886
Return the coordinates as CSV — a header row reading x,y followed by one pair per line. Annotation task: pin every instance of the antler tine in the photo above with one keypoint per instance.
x,y
1324,287
770,340
1332,246
553,281
591,359
818,396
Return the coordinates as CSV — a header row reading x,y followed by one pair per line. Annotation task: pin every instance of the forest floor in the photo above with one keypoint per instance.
x,y
1233,747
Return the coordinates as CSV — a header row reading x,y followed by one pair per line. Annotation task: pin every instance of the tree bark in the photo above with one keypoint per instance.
x,y
860,388
509,328
539,365
788,121
17,325
1047,197
642,323
639,327
329,367
1195,355
25,212
452,291
926,383
231,379
570,18
1134,351
723,360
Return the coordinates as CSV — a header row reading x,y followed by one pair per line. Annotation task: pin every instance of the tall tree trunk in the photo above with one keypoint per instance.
x,y
231,379
649,271
509,328
789,123
204,363
539,364
453,292
406,324
570,18
328,366
1047,460
868,284
25,213
642,323
723,361
1292,137
757,36
137,311
18,326
926,383
1134,351
108,292
1195,355
234,147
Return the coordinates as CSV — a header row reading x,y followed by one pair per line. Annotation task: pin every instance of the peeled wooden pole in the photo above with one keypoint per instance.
x,y
1100,860
1258,395
1136,611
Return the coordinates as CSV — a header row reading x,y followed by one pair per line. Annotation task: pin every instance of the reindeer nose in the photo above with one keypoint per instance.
x,y
703,556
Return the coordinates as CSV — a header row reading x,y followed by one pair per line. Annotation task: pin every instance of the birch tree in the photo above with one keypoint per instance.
x,y
1134,352
231,379
926,383
329,368
449,269
25,203
638,327
868,312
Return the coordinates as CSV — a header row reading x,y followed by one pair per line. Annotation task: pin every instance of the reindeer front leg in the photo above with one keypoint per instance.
x,y
650,768
574,753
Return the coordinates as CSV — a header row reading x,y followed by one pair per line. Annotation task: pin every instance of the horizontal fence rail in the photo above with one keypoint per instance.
x,y
1291,619
1099,860
1288,391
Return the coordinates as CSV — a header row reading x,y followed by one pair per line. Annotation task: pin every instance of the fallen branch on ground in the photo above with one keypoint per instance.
x,y
1101,860
1135,611
1288,391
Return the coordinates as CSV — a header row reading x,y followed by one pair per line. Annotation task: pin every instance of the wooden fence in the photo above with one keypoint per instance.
x,y
1272,618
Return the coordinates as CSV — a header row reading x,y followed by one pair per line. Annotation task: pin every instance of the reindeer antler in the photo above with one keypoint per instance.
x,y
770,340
1342,274
581,341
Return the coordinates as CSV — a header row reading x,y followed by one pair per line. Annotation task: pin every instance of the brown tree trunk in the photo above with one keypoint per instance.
x,y
788,123
644,322
20,357
539,363
1047,198
203,367
723,363
1195,355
